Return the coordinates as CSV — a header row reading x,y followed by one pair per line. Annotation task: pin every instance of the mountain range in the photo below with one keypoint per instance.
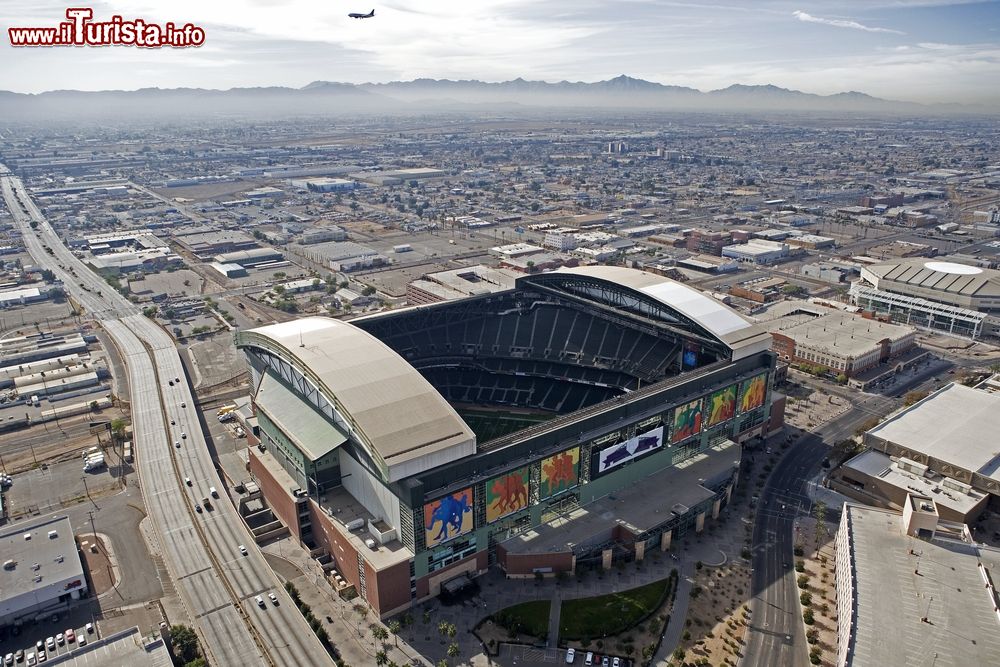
x,y
435,95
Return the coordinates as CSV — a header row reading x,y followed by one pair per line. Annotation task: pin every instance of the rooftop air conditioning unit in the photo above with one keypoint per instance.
x,y
357,524
9,564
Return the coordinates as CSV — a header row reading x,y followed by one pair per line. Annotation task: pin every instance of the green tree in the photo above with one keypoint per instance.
x,y
184,642
118,428
197,662
453,650
381,658
379,632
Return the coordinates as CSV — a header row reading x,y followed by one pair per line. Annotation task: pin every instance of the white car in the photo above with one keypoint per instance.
x,y
260,602
60,639
81,640
274,599
90,628
243,550
570,655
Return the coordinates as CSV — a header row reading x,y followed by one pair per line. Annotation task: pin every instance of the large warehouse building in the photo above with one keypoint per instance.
x,y
944,446
585,415
937,295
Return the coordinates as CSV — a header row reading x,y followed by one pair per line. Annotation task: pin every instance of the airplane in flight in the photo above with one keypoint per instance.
x,y
357,15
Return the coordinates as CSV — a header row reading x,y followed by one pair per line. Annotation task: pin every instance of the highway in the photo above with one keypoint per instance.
x,y
216,582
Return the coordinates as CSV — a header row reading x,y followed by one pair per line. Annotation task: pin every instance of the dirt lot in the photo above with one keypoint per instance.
x,y
817,578
718,614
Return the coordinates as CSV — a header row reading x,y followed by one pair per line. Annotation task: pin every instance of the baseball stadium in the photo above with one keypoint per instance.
x,y
586,415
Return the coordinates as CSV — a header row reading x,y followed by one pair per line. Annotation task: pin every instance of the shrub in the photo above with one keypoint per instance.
x,y
807,616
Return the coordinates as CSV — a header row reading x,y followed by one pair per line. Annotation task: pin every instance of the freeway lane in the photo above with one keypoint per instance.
x,y
217,583
248,575
201,590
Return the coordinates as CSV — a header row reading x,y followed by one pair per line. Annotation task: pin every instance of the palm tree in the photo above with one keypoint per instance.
x,y
381,658
394,628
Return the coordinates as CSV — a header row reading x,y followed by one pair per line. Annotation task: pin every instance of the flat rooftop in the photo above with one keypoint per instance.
x,y
57,557
638,508
957,425
837,332
876,464
127,647
477,279
900,579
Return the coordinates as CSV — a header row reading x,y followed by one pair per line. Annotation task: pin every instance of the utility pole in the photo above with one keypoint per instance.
x,y
90,513
87,491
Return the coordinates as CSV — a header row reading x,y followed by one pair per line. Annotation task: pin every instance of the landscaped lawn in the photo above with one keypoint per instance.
x,y
529,618
611,614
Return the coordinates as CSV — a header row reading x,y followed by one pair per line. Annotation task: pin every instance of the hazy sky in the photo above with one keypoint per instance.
x,y
918,50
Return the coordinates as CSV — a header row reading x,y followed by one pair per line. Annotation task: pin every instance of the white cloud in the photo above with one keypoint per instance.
x,y
840,23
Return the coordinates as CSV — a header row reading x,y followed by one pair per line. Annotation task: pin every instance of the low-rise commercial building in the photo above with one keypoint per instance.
x,y
459,283
322,235
875,478
953,432
842,342
249,258
41,570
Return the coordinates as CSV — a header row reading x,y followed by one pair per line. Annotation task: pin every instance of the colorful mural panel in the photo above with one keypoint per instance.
x,y
721,406
447,518
559,472
687,420
626,451
506,494
753,393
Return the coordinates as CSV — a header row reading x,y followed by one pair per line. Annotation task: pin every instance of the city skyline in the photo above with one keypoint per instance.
x,y
919,51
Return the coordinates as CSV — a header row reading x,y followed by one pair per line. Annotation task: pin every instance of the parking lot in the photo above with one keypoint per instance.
x,y
23,648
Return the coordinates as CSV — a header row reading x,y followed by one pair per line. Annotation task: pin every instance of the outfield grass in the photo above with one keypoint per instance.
x,y
528,618
607,615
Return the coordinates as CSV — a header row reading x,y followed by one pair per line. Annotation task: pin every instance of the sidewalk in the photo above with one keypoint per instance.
x,y
672,633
